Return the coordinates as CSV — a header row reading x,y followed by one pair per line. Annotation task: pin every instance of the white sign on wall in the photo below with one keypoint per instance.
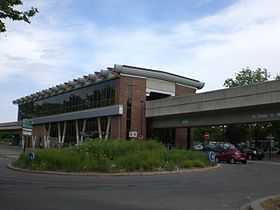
x,y
26,132
133,134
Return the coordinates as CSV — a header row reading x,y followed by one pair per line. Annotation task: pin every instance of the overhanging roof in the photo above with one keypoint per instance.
x,y
103,75
157,74
84,81
84,114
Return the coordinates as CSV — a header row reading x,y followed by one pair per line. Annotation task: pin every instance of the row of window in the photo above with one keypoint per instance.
x,y
85,98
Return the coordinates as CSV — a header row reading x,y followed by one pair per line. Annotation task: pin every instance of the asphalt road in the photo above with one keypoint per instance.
x,y
228,187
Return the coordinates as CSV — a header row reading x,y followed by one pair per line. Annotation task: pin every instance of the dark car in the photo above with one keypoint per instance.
x,y
231,155
251,152
212,148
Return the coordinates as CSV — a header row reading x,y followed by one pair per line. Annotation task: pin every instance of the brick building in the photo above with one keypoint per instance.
x,y
107,104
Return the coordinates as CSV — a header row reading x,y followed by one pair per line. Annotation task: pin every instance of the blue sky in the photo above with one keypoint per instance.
x,y
207,40
127,12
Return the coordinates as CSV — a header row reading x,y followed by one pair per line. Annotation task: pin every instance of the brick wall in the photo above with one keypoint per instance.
x,y
182,135
138,106
39,131
138,88
118,124
182,90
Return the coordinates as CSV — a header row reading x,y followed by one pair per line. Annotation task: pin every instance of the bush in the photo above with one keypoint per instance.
x,y
113,156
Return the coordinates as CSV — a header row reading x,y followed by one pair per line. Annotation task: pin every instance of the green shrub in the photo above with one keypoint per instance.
x,y
113,156
188,164
199,164
22,161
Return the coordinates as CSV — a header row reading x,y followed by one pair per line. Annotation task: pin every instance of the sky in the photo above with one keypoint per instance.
x,y
208,40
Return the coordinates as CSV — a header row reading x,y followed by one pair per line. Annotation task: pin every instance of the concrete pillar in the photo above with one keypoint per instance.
x,y
99,128
77,132
108,128
48,136
45,136
59,133
83,130
45,142
23,142
64,132
33,138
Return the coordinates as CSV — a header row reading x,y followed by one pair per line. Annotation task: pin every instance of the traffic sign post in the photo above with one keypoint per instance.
x,y
26,132
27,127
212,157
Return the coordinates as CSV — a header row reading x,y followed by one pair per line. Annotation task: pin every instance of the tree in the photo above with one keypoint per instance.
x,y
237,133
216,133
7,10
260,130
247,77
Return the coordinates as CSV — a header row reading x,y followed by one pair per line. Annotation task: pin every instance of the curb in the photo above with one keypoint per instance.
x,y
10,166
256,205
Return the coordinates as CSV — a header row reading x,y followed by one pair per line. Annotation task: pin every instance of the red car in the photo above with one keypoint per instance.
x,y
231,156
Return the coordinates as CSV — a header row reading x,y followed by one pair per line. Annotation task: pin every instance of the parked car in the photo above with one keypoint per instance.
x,y
252,153
231,155
212,148
197,147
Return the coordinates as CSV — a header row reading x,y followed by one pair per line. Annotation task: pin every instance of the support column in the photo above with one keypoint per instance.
x,y
108,128
64,132
23,142
77,132
45,136
48,137
115,131
33,139
181,138
83,130
45,142
99,128
189,138
59,134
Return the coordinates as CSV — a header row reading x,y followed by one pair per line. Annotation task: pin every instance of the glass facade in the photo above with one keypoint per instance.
x,y
99,95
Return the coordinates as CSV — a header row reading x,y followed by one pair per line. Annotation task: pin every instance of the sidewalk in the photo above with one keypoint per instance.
x,y
274,158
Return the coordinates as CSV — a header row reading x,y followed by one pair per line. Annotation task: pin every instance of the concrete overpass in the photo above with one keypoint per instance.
x,y
250,104
11,127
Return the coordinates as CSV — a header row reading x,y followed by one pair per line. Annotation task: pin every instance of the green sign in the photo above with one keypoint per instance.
x,y
27,124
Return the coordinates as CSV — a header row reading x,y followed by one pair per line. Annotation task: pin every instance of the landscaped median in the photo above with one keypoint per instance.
x,y
266,203
113,156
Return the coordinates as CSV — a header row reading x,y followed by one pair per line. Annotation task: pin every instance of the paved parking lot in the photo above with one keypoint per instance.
x,y
228,187
7,151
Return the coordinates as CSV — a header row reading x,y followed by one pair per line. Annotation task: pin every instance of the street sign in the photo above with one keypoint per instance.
x,y
27,127
31,156
27,124
212,157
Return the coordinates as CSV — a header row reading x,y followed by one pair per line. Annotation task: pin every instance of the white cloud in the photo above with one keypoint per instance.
x,y
210,49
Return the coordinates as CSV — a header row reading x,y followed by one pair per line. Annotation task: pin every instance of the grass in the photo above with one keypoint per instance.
x,y
271,204
113,156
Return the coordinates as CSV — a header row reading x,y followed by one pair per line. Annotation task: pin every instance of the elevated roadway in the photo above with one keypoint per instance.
x,y
255,103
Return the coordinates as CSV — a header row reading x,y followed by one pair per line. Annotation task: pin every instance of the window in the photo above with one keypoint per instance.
x,y
94,96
